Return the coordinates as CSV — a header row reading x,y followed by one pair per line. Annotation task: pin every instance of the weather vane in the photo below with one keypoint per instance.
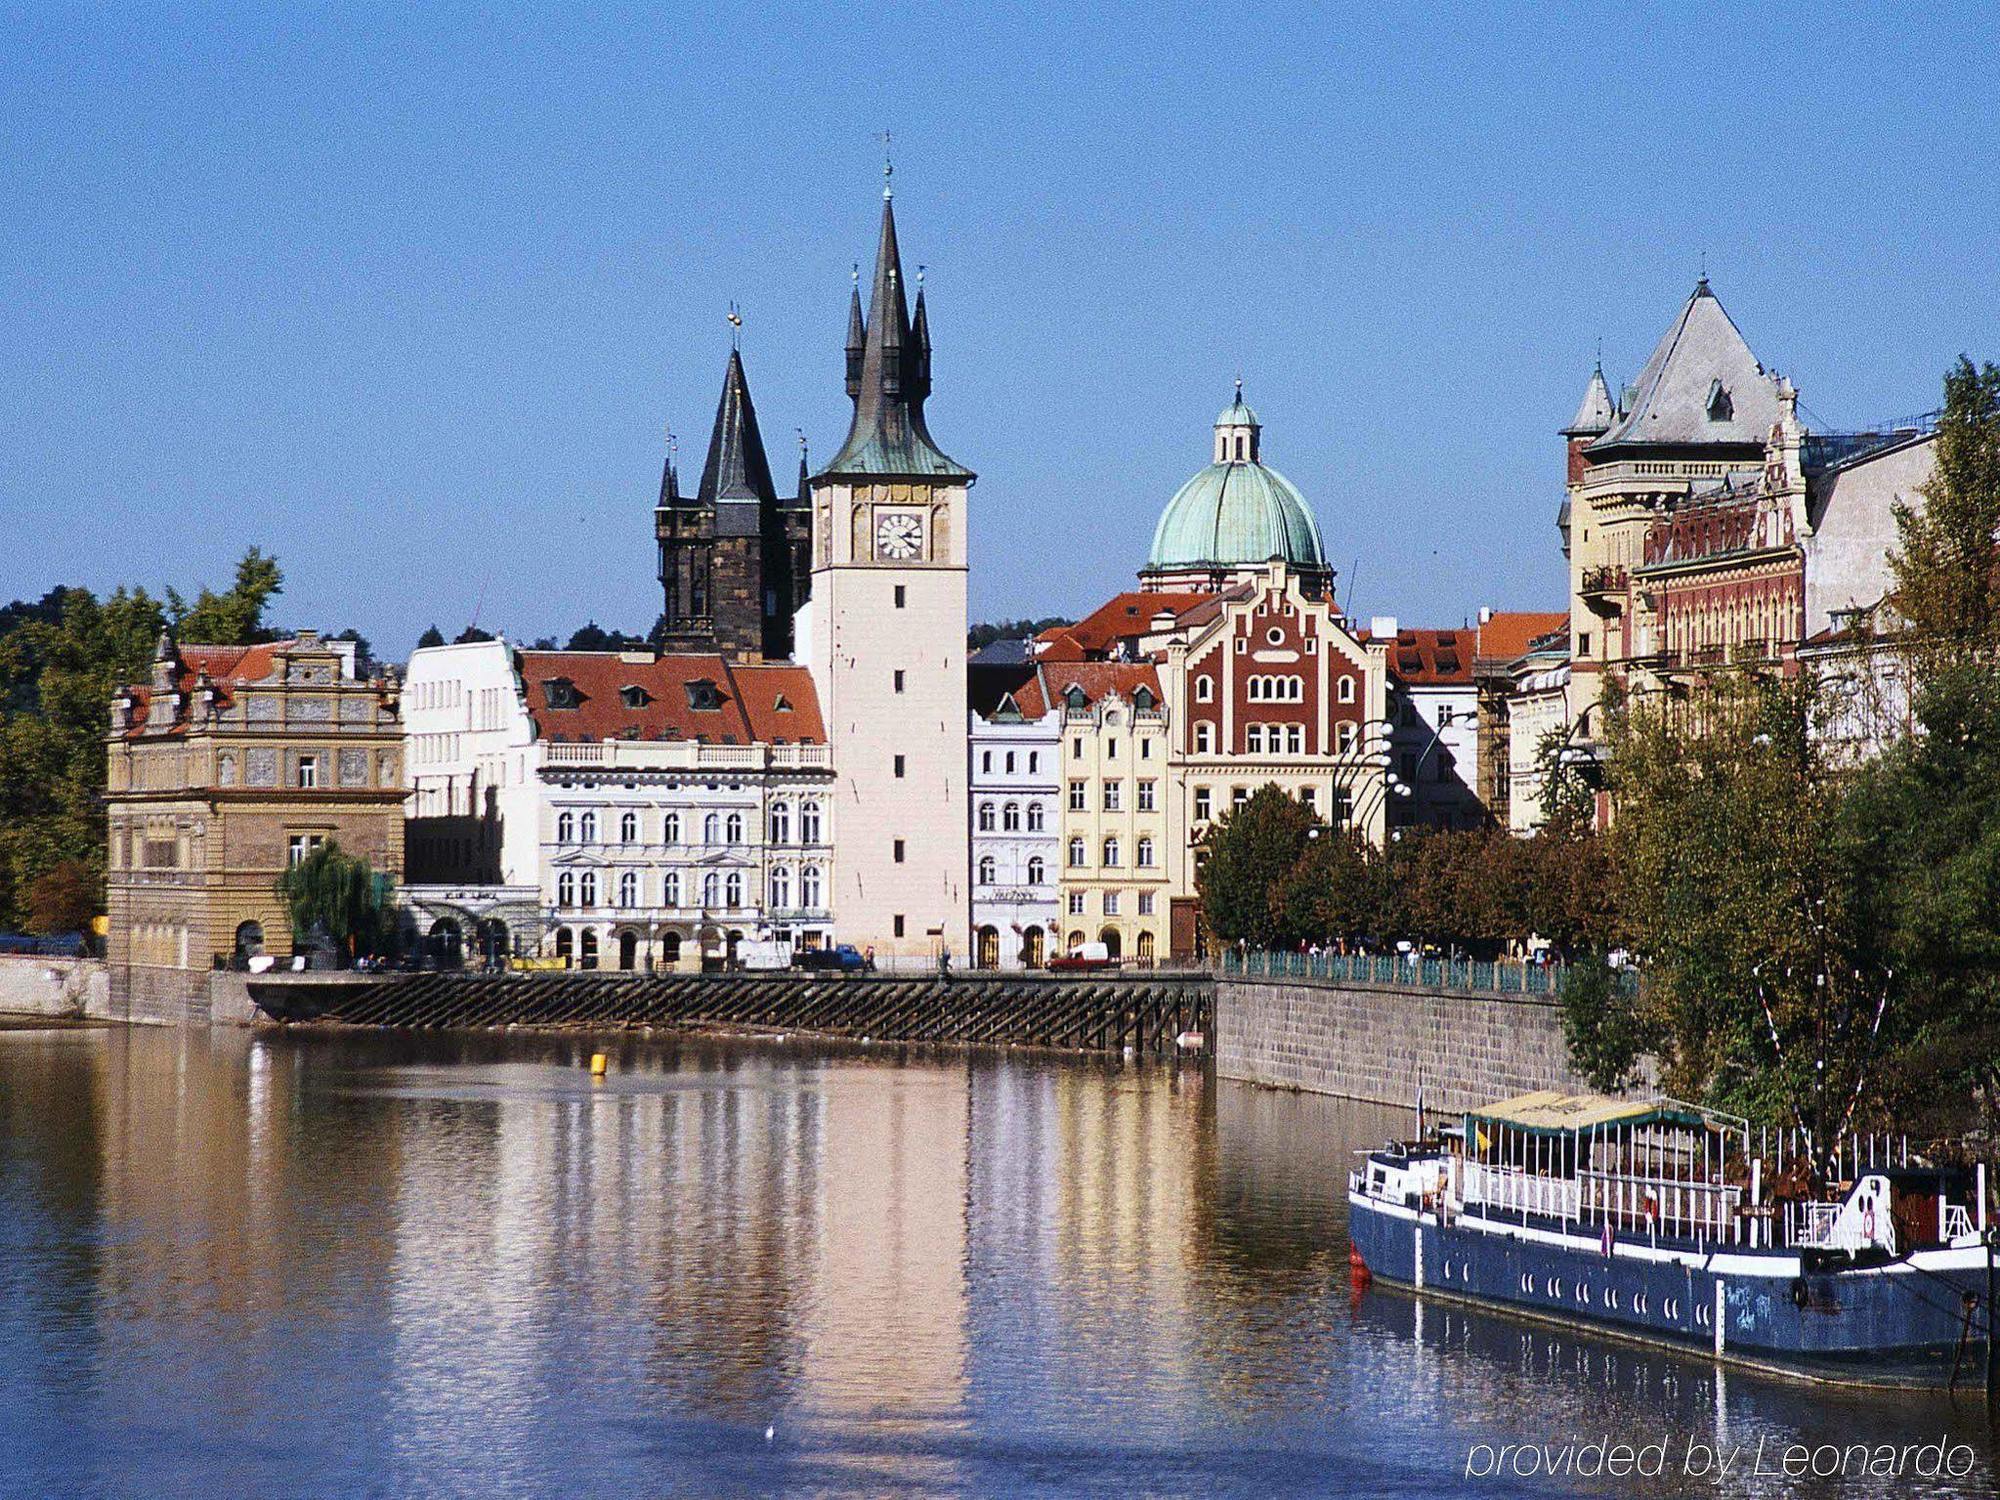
x,y
735,325
888,163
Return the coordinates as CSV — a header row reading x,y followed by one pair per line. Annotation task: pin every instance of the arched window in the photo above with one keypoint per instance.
x,y
1204,738
1076,853
781,888
628,889
565,827
986,817
1010,762
1143,852
809,887
589,948
733,829
1204,689
781,822
986,870
670,889
809,823
1346,691
672,831
565,889
1010,817
711,829
628,828
1347,733
1253,739
587,827
734,889
565,944
670,947
1037,871
1145,947
1034,817
1110,852
985,762
587,888
711,889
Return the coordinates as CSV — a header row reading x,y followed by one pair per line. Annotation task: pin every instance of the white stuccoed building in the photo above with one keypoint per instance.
x,y
1015,744
616,809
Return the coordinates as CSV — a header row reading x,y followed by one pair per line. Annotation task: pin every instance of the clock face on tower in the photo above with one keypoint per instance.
x,y
899,536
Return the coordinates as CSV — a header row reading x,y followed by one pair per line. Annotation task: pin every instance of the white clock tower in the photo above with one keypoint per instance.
x,y
888,640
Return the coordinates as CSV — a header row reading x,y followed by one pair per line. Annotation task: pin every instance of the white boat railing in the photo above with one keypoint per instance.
x,y
1519,1192
1957,1221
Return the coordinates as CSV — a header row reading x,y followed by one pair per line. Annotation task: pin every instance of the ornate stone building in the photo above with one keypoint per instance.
x,y
733,556
1017,817
232,763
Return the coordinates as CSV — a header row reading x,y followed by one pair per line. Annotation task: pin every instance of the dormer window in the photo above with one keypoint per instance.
x,y
1719,407
1143,700
781,704
560,692
634,696
1076,698
702,696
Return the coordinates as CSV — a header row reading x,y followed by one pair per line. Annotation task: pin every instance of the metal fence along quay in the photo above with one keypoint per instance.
x,y
1497,978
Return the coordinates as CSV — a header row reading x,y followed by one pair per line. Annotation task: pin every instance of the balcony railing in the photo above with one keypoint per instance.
x,y
684,755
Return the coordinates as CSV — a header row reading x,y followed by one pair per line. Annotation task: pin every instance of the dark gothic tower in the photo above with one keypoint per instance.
x,y
725,554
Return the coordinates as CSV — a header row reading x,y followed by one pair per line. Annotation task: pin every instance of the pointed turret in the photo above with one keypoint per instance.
x,y
737,474
857,337
920,345
1595,413
888,436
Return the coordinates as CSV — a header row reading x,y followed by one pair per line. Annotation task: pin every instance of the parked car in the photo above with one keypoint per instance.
x,y
845,958
1082,959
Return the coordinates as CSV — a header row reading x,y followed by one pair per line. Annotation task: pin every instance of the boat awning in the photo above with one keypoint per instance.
x,y
1550,1112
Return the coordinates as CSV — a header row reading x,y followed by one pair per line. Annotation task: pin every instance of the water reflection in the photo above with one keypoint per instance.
x,y
397,1264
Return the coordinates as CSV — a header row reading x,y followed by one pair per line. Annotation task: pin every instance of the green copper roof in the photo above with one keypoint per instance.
x,y
1237,414
1230,515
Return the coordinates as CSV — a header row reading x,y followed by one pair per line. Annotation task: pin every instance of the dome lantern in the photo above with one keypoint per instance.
x,y
1234,518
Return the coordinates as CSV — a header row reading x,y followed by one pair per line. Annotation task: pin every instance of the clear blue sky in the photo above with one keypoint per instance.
x,y
409,298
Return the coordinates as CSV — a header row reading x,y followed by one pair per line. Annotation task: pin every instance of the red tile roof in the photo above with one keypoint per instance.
x,y
1098,678
1507,634
227,666
1431,658
1123,617
753,704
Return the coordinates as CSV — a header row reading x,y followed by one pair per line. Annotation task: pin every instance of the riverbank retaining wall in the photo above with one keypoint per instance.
x,y
66,987
1379,1041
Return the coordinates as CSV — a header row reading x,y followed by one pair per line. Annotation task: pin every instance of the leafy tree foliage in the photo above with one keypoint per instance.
x,y
234,617
65,898
431,637
338,893
61,659
593,637
1247,856
1947,587
472,635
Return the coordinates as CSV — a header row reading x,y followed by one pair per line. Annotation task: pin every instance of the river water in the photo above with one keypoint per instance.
x,y
400,1265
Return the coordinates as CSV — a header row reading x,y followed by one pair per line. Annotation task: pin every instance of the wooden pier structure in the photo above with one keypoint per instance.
x,y
1148,1011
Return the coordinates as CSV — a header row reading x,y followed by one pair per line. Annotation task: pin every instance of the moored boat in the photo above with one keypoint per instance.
x,y
1668,1221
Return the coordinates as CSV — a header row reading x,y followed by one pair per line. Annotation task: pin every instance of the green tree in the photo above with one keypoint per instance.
x,y
1741,878
1246,857
339,893
60,663
234,617
471,636
1946,585
431,637
66,897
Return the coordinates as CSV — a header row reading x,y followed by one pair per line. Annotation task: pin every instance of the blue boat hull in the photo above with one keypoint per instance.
x,y
1907,1322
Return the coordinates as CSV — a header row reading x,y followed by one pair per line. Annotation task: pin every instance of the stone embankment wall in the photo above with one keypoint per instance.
x,y
54,987
1379,1041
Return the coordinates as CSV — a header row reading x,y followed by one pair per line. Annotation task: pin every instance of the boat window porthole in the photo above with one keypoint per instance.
x,y
1555,1286
1583,1294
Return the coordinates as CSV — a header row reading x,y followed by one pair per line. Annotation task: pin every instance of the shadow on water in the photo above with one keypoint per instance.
x,y
393,1263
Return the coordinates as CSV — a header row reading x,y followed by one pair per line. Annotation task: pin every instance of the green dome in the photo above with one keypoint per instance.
x,y
1237,414
1236,515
